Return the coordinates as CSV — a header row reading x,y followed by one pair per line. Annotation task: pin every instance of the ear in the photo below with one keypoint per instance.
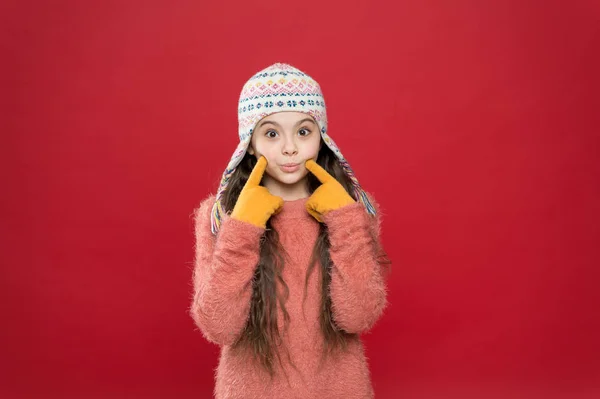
x,y
250,149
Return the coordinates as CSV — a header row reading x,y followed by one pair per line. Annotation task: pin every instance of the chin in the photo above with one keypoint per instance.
x,y
290,179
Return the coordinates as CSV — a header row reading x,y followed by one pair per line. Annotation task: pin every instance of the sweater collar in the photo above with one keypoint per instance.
x,y
295,209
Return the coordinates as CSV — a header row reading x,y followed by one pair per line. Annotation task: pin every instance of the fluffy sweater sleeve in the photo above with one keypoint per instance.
x,y
224,266
358,292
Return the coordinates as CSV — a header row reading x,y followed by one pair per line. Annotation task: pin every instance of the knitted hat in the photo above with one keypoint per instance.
x,y
278,88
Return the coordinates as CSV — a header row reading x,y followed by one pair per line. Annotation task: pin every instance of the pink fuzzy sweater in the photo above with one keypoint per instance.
x,y
224,267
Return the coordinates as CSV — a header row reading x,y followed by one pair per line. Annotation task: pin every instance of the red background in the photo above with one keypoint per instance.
x,y
475,124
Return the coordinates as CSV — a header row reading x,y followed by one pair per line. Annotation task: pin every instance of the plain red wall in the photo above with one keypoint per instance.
x,y
475,124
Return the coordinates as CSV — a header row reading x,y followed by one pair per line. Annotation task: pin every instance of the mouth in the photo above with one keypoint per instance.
x,y
290,167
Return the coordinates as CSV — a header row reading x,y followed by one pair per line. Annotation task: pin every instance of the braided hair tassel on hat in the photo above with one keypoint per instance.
x,y
279,88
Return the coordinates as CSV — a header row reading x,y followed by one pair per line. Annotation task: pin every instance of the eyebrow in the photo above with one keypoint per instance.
x,y
277,124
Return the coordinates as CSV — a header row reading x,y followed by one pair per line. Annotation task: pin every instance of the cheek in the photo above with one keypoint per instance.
x,y
267,152
312,150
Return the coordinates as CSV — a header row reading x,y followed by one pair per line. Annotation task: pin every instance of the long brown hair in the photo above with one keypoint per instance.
x,y
261,333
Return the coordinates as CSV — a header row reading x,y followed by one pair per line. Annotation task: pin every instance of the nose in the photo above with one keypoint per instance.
x,y
289,148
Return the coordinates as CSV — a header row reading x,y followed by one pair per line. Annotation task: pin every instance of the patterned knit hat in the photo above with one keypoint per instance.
x,y
278,88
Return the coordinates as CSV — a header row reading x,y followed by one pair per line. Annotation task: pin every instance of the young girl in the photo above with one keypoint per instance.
x,y
289,267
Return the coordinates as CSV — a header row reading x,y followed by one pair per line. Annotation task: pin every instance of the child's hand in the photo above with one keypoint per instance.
x,y
328,196
256,204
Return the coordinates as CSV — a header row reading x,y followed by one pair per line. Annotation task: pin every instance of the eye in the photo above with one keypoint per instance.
x,y
269,132
305,130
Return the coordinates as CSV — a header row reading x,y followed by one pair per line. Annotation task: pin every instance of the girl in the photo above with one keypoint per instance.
x,y
289,267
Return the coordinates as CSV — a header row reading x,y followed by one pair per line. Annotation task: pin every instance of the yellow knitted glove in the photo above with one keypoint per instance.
x,y
256,204
328,196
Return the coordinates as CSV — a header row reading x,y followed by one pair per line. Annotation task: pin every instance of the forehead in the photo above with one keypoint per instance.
x,y
286,118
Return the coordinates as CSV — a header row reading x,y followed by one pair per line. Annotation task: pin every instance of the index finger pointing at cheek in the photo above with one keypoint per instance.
x,y
318,171
257,173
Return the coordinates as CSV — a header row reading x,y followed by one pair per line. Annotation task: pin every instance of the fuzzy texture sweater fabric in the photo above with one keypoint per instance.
x,y
223,272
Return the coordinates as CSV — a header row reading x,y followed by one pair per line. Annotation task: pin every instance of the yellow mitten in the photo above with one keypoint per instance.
x,y
328,196
256,204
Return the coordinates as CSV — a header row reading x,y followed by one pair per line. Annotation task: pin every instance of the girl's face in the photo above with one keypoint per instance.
x,y
287,140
